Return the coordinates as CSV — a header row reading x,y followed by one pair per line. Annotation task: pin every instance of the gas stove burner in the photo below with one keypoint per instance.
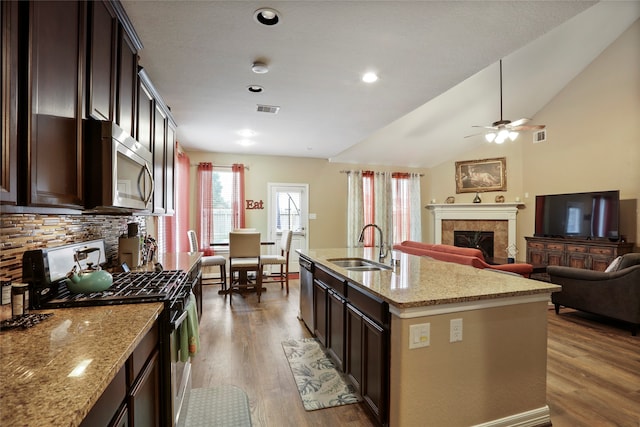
x,y
170,286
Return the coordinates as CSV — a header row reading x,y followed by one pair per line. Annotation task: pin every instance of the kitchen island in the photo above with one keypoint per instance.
x,y
489,370
53,373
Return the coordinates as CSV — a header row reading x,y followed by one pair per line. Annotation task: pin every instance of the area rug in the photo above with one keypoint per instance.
x,y
318,381
219,406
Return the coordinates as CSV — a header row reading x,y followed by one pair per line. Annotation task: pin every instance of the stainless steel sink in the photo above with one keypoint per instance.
x,y
358,264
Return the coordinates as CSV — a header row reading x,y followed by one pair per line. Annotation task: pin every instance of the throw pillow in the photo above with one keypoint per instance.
x,y
614,265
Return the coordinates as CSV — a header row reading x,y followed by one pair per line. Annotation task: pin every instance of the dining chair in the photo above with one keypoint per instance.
x,y
209,260
244,257
282,260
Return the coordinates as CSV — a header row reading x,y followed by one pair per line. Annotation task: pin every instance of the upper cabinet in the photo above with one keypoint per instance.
x,y
52,130
101,67
156,128
64,62
9,103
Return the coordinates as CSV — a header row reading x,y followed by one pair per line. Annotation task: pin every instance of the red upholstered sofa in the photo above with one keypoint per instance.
x,y
465,256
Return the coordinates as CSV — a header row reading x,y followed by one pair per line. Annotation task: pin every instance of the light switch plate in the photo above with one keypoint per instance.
x,y
419,335
455,331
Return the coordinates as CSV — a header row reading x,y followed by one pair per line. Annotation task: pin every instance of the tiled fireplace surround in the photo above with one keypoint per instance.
x,y
499,218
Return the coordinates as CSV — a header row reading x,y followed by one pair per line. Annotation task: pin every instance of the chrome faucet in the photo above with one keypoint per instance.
x,y
383,252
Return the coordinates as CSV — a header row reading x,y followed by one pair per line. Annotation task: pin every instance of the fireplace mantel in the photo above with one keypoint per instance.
x,y
476,211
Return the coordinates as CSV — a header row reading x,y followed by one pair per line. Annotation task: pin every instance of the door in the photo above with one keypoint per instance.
x,y
288,210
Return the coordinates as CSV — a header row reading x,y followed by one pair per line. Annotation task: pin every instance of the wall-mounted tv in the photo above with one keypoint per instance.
x,y
592,215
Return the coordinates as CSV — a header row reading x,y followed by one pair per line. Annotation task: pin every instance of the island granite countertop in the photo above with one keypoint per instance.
x,y
37,388
416,281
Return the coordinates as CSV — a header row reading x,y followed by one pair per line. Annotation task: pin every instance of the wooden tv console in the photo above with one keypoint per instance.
x,y
586,254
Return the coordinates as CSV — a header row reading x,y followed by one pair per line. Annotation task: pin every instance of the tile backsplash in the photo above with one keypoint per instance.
x,y
23,232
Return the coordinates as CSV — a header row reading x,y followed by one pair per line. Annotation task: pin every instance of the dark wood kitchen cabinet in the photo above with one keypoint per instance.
x,y
320,293
133,396
102,60
159,151
367,350
52,129
353,326
9,103
334,302
127,76
157,129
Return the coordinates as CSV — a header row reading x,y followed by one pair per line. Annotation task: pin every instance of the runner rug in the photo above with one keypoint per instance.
x,y
318,381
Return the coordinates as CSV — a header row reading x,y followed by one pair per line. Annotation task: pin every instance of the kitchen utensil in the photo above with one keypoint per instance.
x,y
88,280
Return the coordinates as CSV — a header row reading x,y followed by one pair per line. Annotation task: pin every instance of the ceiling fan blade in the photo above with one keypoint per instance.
x,y
519,122
473,134
530,127
485,127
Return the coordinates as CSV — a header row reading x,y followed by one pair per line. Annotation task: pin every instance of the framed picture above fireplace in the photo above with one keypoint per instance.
x,y
477,176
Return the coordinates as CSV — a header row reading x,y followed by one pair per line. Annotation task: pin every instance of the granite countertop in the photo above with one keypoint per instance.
x,y
34,374
421,281
173,261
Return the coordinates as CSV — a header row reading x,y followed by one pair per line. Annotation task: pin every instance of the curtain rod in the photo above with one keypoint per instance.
x,y
347,172
217,166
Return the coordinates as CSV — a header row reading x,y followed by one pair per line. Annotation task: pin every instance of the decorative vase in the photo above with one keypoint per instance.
x,y
477,199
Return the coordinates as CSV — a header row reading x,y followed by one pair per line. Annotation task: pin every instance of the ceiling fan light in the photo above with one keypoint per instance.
x,y
490,136
513,135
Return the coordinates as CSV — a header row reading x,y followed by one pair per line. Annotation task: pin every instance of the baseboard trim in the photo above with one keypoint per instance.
x,y
534,418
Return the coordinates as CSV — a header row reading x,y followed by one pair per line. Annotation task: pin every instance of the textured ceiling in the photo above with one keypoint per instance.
x,y
437,63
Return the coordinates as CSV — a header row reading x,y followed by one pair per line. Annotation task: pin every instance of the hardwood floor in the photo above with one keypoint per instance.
x,y
593,368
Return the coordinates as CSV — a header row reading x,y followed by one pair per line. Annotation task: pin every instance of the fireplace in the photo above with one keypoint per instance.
x,y
498,218
482,240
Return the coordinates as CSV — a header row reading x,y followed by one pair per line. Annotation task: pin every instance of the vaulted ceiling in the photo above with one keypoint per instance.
x,y
437,63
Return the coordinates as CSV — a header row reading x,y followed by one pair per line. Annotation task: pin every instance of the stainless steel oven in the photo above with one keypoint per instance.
x,y
180,373
118,172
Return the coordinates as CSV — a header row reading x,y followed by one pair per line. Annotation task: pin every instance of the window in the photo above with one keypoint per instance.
x,y
288,211
222,196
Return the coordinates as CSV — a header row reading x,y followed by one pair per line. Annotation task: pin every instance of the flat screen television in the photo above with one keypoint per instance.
x,y
592,215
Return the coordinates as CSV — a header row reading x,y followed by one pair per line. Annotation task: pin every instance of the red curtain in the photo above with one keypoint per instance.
x,y
368,204
238,210
205,207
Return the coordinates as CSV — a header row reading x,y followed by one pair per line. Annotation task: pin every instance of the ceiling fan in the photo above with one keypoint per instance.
x,y
499,131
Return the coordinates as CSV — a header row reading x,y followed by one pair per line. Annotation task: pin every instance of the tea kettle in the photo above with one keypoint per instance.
x,y
91,279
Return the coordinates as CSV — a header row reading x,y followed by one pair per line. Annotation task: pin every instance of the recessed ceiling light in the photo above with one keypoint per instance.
x,y
247,133
369,77
267,16
255,88
259,67
246,142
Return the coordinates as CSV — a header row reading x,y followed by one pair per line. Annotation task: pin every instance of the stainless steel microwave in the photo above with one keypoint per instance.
x,y
118,169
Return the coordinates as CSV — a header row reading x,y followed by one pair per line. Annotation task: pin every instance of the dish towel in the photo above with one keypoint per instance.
x,y
189,332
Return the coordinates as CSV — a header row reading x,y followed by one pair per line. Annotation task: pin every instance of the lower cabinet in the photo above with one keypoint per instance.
x,y
320,311
336,328
366,362
133,396
353,326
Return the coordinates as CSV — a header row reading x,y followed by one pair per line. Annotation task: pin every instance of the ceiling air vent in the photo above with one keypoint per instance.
x,y
540,136
267,109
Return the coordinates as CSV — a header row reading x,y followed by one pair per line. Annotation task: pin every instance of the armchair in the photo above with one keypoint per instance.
x,y
614,294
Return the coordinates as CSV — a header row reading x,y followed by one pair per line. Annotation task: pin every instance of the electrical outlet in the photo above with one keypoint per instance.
x,y
419,335
455,330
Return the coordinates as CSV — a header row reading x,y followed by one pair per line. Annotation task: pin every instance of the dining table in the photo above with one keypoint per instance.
x,y
243,278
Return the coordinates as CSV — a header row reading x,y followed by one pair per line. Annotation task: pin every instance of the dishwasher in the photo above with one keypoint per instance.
x,y
306,293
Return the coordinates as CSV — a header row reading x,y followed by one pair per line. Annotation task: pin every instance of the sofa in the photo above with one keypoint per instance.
x,y
466,256
614,293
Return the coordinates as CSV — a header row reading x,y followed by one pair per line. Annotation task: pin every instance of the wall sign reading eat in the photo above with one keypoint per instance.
x,y
253,204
